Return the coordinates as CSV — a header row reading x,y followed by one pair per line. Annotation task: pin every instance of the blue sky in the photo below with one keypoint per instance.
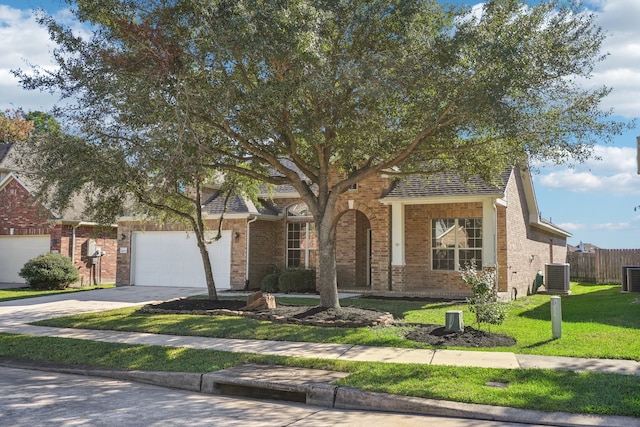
x,y
595,201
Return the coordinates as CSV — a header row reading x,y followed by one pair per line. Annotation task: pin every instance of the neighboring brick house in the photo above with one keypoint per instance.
x,y
402,236
28,229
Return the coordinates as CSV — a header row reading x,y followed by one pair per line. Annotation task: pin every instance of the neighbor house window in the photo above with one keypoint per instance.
x,y
455,242
301,237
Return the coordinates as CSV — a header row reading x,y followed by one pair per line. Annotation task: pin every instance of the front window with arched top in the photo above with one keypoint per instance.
x,y
300,211
302,247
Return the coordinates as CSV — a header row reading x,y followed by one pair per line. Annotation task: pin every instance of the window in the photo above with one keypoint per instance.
x,y
301,237
456,242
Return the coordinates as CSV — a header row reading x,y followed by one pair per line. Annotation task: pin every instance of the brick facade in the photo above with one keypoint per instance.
x,y
21,215
529,248
363,230
419,276
361,208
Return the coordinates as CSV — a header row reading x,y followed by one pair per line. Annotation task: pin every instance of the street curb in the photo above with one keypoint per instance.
x,y
330,396
189,381
348,398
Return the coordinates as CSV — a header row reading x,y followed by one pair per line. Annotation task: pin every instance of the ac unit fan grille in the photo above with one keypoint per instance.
x,y
557,279
633,279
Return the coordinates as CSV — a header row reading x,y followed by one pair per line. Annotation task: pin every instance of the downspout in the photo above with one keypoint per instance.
x,y
246,274
495,240
73,241
73,247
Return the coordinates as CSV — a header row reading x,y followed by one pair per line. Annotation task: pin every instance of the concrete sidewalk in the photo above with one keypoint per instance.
x,y
479,359
15,316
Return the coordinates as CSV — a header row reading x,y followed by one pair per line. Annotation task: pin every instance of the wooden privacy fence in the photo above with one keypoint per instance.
x,y
603,266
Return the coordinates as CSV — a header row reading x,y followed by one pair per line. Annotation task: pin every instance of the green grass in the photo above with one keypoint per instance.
x,y
598,322
20,293
546,390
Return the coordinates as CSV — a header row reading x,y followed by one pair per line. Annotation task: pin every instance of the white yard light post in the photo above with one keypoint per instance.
x,y
556,317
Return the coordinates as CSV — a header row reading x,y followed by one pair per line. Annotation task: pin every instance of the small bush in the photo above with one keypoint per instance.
x,y
49,271
269,283
484,302
298,280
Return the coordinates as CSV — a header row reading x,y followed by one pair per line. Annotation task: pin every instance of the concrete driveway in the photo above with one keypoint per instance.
x,y
25,310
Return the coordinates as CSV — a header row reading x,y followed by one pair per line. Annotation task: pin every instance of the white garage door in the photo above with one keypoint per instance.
x,y
172,258
15,251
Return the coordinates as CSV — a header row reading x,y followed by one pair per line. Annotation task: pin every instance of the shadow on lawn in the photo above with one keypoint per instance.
x,y
607,307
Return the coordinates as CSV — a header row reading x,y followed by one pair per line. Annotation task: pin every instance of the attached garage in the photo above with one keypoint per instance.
x,y
172,258
15,251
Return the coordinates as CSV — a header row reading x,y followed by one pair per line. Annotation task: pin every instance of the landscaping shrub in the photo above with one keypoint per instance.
x,y
298,280
49,271
484,302
269,283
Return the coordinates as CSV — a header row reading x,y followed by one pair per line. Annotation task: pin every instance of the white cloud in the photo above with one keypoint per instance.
x,y
620,184
25,42
571,226
611,170
621,70
606,226
614,226
607,159
604,160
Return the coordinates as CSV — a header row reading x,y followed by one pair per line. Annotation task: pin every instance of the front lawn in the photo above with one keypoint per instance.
x,y
599,322
20,293
546,390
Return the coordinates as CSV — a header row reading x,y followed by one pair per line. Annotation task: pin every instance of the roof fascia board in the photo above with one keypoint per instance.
x,y
551,229
128,218
530,195
77,223
439,199
271,196
532,205
11,176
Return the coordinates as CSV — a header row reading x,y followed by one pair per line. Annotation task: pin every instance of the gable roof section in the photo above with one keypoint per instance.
x,y
12,177
72,214
532,205
421,189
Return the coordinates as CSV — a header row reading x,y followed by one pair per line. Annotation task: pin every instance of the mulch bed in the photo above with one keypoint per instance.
x,y
471,337
345,317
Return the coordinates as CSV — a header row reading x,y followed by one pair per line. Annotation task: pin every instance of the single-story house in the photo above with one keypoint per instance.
x,y
405,236
29,229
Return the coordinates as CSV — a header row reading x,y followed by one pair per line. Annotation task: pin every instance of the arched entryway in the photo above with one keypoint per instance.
x,y
353,250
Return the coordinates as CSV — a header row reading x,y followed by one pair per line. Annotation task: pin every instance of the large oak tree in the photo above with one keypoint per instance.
x,y
321,94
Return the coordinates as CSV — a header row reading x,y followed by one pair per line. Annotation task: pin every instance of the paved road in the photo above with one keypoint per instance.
x,y
35,398
14,315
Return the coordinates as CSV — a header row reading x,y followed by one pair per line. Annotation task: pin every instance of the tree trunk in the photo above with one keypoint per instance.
x,y
206,262
327,277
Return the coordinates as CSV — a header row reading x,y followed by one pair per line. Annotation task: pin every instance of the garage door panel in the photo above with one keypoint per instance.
x,y
15,251
170,258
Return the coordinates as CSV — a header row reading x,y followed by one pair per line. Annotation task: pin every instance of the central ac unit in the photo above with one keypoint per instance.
x,y
625,287
633,279
557,278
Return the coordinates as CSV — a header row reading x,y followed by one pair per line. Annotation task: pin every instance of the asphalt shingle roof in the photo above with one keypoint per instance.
x,y
236,205
4,150
445,184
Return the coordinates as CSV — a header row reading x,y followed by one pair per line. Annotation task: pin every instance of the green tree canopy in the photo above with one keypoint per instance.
x,y
349,86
